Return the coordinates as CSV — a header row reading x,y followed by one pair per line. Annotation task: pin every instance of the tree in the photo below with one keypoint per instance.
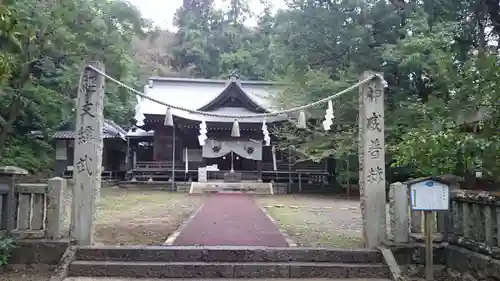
x,y
42,58
195,21
437,57
435,61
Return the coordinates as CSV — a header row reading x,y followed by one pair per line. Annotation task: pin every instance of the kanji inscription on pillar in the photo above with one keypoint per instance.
x,y
88,147
372,159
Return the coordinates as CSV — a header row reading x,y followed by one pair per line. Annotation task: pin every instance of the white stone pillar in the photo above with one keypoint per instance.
x,y
56,211
399,212
88,153
372,160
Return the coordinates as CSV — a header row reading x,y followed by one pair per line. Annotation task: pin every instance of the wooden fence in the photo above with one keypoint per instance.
x,y
29,211
473,220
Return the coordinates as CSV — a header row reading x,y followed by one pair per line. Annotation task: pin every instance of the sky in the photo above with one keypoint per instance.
x,y
161,12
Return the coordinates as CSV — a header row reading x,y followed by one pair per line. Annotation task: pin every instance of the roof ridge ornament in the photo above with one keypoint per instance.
x,y
234,75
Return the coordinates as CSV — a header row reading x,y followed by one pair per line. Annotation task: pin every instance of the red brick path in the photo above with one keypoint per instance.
x,y
231,220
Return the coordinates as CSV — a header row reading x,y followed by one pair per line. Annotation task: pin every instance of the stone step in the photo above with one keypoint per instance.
x,y
226,254
220,279
134,269
243,187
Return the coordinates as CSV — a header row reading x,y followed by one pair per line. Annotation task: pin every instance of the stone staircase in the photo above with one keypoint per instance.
x,y
264,188
227,262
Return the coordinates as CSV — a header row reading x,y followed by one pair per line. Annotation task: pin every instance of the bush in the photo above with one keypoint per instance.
x,y
6,246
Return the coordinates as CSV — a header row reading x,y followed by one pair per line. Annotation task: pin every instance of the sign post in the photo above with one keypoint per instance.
x,y
429,195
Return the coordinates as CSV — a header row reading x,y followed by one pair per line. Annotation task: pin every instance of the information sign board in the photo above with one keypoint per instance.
x,y
429,195
202,174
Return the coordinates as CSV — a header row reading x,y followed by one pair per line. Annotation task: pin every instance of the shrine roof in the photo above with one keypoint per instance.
x,y
138,132
110,130
210,95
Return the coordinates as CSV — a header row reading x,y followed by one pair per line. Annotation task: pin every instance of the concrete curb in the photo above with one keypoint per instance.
x,y
289,240
171,239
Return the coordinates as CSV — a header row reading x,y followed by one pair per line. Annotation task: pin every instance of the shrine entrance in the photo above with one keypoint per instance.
x,y
244,148
232,161
244,164
241,156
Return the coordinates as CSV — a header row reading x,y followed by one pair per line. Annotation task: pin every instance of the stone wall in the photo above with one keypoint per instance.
x,y
451,263
31,252
464,264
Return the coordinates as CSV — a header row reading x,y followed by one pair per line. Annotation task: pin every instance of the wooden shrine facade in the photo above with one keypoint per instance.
x,y
164,153
161,156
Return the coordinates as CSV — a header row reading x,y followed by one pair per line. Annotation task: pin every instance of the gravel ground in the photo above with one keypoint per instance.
x,y
135,217
317,221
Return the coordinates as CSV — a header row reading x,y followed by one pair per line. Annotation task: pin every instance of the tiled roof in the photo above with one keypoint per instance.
x,y
110,130
72,134
64,135
196,93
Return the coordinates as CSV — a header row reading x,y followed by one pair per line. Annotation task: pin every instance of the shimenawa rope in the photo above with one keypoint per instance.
x,y
204,113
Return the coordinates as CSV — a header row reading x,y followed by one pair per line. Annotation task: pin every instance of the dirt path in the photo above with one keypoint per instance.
x,y
231,220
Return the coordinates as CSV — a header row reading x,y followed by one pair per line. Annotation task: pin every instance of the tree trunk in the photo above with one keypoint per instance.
x,y
14,110
480,19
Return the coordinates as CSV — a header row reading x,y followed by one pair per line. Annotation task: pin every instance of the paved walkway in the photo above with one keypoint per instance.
x,y
231,220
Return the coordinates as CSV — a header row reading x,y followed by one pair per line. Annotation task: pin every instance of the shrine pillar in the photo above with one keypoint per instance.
x,y
259,170
371,152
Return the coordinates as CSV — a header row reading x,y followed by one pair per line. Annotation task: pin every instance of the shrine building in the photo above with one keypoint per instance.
x,y
153,151
158,152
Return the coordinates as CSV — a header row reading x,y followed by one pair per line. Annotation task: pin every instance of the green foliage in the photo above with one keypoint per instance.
x,y
44,45
6,247
439,69
32,154
446,140
211,43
